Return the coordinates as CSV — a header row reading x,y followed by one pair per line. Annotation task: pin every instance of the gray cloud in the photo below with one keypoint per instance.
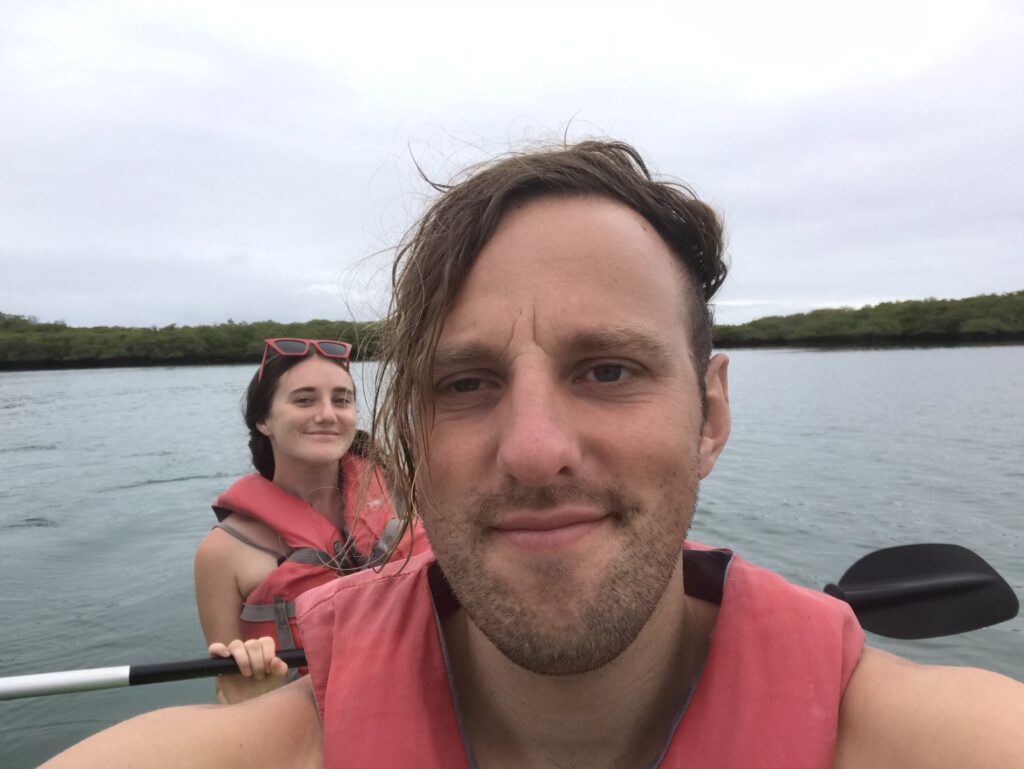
x,y
156,167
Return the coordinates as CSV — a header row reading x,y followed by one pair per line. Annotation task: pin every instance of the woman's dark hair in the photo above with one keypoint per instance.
x,y
258,397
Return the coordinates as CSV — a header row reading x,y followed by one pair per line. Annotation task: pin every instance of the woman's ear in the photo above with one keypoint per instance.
x,y
717,419
262,427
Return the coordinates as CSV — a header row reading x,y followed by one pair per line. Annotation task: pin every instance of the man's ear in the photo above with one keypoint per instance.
x,y
718,421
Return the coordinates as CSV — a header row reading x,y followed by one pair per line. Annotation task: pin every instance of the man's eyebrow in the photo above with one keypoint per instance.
x,y
595,342
620,341
456,356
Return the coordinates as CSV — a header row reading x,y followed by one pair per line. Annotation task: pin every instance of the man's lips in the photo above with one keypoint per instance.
x,y
546,520
547,530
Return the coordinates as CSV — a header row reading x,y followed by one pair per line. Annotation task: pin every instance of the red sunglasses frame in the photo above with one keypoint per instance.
x,y
272,344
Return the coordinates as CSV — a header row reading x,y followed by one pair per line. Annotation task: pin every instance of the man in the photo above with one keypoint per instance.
x,y
549,406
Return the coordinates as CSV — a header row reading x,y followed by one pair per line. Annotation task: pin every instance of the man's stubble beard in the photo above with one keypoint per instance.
x,y
592,629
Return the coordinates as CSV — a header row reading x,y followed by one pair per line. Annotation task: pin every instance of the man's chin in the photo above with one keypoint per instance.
x,y
555,628
550,578
543,648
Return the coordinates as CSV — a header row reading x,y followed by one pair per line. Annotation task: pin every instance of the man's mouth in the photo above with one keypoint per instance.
x,y
545,520
547,530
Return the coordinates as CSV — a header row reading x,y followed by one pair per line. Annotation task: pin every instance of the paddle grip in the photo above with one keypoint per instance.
x,y
204,668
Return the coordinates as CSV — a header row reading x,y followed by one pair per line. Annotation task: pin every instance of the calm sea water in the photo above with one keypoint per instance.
x,y
106,477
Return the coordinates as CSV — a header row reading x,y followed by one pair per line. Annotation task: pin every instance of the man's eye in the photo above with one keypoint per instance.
x,y
608,372
467,385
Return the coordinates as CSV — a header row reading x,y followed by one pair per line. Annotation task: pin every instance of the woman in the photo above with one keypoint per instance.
x,y
308,514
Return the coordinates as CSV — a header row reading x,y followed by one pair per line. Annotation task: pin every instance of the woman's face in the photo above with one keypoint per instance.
x,y
312,418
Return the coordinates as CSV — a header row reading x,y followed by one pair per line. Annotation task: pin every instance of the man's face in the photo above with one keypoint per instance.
x,y
566,446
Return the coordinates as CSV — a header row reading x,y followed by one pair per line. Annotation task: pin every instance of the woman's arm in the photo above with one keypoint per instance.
x,y
220,559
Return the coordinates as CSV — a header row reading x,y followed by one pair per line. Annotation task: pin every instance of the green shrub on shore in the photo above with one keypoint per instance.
x,y
985,319
27,343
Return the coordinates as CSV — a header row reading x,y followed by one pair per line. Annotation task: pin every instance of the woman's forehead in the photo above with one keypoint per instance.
x,y
316,371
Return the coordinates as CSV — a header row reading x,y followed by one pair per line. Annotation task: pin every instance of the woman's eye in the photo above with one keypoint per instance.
x,y
608,372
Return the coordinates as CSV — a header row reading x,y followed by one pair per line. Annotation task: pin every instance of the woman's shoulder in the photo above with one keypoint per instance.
x,y
257,532
239,548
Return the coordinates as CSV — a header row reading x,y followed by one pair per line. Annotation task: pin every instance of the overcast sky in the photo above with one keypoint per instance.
x,y
189,162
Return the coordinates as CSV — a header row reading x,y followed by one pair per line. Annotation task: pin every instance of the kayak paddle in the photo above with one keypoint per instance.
x,y
92,679
912,591
925,591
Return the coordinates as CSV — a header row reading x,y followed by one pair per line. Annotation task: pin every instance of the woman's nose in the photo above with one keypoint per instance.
x,y
325,411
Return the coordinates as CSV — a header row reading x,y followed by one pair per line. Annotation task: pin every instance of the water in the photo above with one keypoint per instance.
x,y
107,476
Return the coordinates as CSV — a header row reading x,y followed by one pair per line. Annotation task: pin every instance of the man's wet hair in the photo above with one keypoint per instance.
x,y
434,259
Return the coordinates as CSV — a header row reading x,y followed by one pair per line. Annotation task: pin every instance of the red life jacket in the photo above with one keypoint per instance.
x,y
768,695
317,552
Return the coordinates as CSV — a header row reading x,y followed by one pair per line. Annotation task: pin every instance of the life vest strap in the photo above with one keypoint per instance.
x,y
268,612
279,556
312,556
387,539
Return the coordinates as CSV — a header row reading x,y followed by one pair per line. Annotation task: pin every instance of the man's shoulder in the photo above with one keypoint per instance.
x,y
759,591
363,585
367,617
278,729
897,713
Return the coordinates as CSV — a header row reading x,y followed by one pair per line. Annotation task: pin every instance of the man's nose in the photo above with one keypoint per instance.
x,y
538,440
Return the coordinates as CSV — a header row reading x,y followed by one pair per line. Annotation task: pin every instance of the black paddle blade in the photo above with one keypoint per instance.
x,y
925,591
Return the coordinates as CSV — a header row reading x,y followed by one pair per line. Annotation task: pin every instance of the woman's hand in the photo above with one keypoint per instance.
x,y
261,669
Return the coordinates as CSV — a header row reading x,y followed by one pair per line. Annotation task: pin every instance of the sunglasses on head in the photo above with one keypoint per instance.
x,y
299,348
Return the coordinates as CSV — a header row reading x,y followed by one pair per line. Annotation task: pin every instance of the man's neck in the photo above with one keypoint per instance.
x,y
619,715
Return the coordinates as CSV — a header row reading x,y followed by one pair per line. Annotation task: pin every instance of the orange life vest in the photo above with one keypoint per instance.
x,y
316,551
768,695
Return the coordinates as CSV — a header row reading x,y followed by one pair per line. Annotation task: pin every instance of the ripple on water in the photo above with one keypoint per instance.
x,y
30,447
159,481
31,522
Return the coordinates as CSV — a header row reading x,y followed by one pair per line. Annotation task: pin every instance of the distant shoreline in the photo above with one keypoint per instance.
x,y
977,320
814,345
26,344
890,343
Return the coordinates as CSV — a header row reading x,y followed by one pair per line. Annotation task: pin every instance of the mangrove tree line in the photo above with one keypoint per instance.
x,y
27,343
986,319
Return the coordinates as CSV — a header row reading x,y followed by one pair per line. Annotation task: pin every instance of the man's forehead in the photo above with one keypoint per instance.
x,y
577,272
